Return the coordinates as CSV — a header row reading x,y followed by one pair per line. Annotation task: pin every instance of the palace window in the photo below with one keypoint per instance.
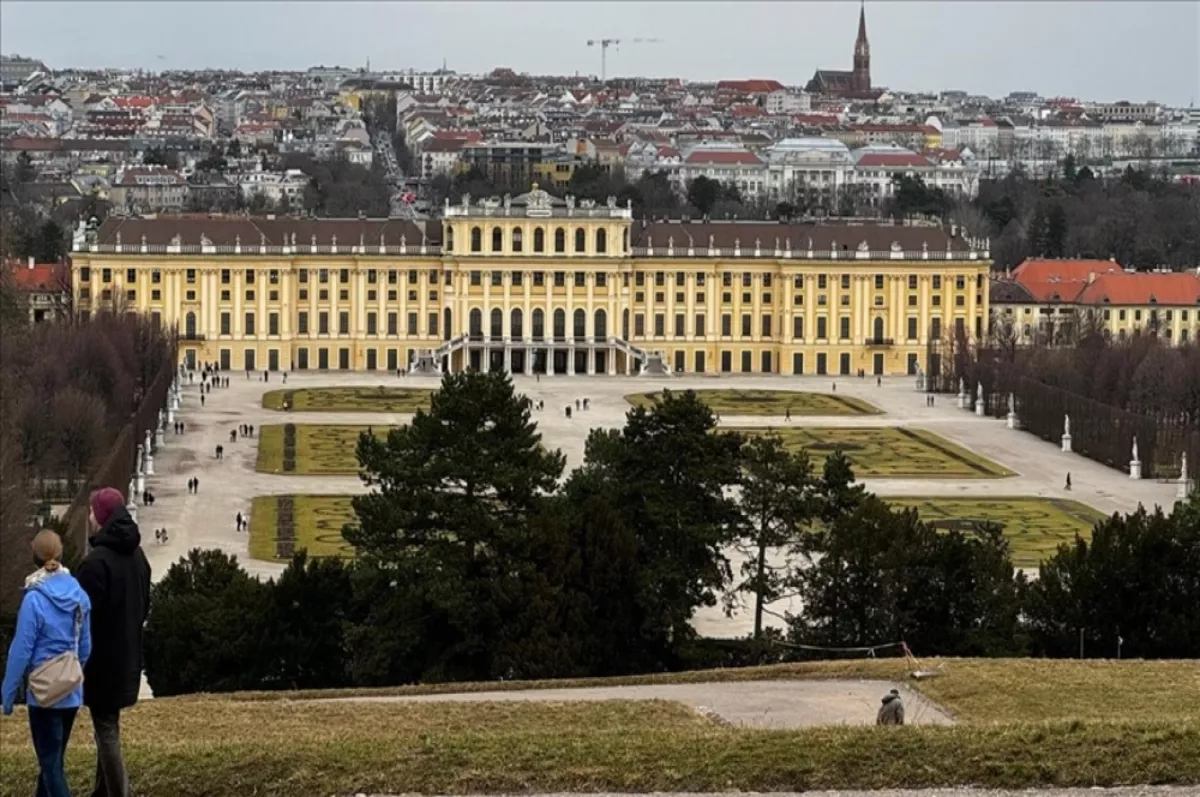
x,y
516,239
476,239
497,239
560,240
601,241
539,240
580,240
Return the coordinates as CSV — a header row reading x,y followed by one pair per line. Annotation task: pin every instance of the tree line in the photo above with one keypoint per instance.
x,y
479,558
69,388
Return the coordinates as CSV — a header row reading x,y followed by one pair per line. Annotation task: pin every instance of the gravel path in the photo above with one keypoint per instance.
x,y
1127,791
758,704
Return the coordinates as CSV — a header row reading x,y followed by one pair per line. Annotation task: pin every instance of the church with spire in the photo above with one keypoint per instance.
x,y
853,84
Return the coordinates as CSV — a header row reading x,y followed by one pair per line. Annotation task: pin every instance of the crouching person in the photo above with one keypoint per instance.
x,y
50,647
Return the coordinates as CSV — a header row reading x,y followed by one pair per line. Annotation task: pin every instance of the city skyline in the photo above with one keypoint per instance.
x,y
1132,51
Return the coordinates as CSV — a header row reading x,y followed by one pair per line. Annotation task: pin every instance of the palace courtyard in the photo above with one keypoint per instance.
x,y
294,478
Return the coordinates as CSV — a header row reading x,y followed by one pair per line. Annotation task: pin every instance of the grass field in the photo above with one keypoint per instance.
x,y
770,402
283,524
888,452
310,449
1024,723
349,399
1034,526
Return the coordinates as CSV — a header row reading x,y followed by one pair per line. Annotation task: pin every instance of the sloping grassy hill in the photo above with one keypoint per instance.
x,y
1023,723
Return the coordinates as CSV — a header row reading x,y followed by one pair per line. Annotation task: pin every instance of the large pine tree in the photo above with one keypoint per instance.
x,y
455,497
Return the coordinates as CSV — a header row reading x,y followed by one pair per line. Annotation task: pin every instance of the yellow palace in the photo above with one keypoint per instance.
x,y
536,284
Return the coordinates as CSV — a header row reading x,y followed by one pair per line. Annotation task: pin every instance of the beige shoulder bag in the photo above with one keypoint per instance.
x,y
53,680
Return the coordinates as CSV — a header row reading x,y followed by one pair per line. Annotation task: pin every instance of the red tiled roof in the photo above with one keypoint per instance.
x,y
1144,289
723,157
750,86
890,159
747,111
445,144
1050,270
133,102
815,119
41,276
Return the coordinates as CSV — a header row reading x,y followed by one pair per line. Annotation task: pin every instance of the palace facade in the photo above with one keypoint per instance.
x,y
536,284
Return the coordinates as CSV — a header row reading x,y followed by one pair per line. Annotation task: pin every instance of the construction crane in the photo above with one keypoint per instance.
x,y
604,44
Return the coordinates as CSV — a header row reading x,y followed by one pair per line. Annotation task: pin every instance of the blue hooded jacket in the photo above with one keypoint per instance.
x,y
46,628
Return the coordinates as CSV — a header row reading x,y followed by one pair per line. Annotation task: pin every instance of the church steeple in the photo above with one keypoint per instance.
x,y
862,53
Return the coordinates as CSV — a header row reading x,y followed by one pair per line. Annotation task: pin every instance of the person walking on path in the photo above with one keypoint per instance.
x,y
116,577
53,622
892,710
239,521
1068,480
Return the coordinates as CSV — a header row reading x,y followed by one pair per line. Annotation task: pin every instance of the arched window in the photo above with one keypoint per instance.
x,y
600,324
449,238
476,239
625,324
580,324
516,323
560,324
447,326
539,240
476,324
560,240
497,240
878,329
601,241
497,325
189,325
625,242
580,240
516,239
539,324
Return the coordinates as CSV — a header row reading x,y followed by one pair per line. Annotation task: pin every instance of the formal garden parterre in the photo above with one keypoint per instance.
x,y
349,399
1034,527
293,449
769,402
281,525
888,452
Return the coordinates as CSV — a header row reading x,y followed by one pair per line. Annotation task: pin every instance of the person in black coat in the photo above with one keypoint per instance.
x,y
116,577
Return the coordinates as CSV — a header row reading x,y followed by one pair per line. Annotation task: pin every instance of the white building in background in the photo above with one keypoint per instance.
x,y
279,187
810,164
784,101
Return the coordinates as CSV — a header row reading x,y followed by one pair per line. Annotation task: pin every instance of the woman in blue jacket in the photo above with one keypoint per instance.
x,y
45,629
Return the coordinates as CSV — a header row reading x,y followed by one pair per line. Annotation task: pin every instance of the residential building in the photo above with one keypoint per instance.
x,y
149,189
46,288
536,284
508,162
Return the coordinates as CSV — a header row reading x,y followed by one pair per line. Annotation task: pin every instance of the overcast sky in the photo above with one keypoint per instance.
x,y
1090,50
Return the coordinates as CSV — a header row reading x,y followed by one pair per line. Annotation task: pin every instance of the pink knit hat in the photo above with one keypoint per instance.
x,y
105,502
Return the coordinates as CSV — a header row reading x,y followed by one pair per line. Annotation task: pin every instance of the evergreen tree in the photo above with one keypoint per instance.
x,y
1136,584
206,627
703,193
308,608
667,476
885,577
777,501
455,494
837,493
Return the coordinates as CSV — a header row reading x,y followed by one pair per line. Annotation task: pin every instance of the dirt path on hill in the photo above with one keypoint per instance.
x,y
758,704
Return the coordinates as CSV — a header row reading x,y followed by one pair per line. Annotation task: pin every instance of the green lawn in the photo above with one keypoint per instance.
x,y
349,399
311,449
1023,724
888,452
283,524
770,402
1034,526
